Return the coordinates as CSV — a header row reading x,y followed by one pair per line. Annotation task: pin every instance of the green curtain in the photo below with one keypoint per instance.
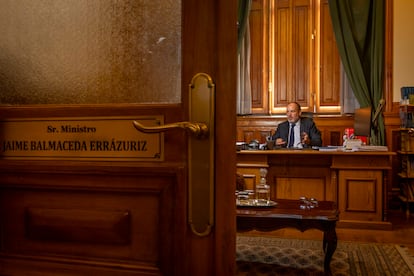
x,y
243,16
360,34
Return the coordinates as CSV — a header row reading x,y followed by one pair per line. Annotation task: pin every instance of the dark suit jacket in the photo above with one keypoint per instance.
x,y
306,125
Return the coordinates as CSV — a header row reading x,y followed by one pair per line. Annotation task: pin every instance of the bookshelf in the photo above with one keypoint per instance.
x,y
406,174
406,115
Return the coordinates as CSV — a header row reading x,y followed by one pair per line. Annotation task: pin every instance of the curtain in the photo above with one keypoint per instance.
x,y
244,95
359,31
348,101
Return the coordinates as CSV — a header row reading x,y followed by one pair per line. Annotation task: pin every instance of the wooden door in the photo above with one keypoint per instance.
x,y
68,216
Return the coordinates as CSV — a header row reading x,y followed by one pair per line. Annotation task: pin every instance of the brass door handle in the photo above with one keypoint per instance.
x,y
199,130
201,156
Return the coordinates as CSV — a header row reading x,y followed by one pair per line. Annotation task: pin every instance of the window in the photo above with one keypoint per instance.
x,y
293,57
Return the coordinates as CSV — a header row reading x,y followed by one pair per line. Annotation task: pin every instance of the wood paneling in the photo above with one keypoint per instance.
x,y
259,32
118,217
298,187
282,52
360,195
292,52
78,225
329,62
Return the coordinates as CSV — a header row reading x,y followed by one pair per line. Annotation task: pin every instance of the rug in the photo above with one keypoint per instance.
x,y
257,255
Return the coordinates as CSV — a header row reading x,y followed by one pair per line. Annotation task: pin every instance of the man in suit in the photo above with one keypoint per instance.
x,y
297,131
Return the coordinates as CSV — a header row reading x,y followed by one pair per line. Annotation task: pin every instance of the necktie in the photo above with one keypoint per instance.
x,y
291,136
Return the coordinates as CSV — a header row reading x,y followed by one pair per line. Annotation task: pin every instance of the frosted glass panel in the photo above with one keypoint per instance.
x,y
90,51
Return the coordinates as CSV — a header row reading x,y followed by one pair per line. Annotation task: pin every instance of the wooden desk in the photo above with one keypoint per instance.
x,y
356,181
289,214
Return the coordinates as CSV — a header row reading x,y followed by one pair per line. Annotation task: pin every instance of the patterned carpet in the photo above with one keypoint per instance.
x,y
275,256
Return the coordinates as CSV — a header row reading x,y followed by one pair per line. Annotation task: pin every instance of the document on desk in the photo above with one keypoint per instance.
x,y
359,148
330,148
371,148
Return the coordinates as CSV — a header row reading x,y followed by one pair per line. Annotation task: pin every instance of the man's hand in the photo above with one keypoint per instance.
x,y
280,142
305,138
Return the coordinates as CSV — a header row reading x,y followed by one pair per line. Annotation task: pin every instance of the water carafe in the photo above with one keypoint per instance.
x,y
263,189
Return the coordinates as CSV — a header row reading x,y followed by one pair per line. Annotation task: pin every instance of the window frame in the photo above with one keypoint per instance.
x,y
321,54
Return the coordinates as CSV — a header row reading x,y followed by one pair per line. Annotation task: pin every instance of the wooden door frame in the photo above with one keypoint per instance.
x,y
214,47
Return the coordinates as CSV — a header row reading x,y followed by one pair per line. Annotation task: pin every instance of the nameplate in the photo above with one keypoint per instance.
x,y
91,138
